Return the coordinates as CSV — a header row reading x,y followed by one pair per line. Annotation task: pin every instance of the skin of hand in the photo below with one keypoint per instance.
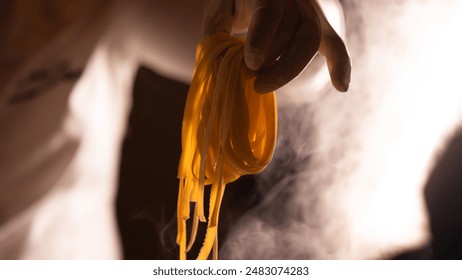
x,y
282,38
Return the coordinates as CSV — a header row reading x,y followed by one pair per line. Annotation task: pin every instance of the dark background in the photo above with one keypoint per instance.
x,y
148,184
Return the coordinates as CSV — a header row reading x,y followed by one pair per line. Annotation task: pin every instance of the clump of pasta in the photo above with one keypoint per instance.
x,y
229,130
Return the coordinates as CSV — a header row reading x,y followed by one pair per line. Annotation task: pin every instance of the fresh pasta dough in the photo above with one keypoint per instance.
x,y
229,130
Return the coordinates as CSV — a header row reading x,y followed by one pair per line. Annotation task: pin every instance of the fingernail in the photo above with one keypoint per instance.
x,y
346,77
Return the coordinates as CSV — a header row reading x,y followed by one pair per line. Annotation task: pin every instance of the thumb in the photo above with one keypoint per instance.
x,y
335,51
338,60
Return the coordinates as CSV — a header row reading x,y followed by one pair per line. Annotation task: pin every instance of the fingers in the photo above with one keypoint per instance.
x,y
282,38
304,45
267,15
283,35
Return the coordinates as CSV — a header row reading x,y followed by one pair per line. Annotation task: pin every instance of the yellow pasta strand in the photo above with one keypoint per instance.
x,y
229,130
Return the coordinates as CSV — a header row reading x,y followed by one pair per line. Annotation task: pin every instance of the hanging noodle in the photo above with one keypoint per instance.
x,y
229,130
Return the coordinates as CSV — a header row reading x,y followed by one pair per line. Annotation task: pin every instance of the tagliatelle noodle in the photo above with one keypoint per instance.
x,y
229,130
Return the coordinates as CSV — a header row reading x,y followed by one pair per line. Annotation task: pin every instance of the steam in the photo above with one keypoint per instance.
x,y
347,177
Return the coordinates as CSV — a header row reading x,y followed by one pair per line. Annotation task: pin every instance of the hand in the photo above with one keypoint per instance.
x,y
282,38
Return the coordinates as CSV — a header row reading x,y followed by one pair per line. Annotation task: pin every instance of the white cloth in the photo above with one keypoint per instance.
x,y
59,150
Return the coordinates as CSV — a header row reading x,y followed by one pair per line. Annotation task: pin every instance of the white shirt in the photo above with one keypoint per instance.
x,y
62,120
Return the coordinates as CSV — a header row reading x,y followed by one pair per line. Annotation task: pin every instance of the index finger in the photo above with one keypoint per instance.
x,y
267,14
304,46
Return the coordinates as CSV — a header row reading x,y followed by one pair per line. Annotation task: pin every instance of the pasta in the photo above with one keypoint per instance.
x,y
229,130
